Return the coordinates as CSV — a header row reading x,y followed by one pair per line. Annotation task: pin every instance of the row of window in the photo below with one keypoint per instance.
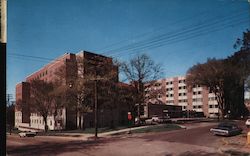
x,y
182,81
182,94
182,87
170,82
212,98
170,101
18,114
197,100
18,120
170,95
213,106
42,74
183,100
197,93
36,121
169,89
197,106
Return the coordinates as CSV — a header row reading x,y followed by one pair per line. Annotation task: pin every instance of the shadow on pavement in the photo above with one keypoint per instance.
x,y
200,153
48,148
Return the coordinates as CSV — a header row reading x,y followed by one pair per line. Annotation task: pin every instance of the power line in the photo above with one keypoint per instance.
x,y
171,35
173,41
163,27
162,40
192,27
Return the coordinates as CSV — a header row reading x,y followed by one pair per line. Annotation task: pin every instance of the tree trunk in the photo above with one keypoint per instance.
x,y
45,124
54,122
112,126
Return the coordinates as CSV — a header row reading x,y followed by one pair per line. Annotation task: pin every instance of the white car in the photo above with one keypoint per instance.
x,y
27,134
248,123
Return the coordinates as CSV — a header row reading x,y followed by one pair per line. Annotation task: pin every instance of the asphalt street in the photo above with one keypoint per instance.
x,y
195,140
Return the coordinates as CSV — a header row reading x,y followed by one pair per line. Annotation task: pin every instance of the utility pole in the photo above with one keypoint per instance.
x,y
9,96
96,123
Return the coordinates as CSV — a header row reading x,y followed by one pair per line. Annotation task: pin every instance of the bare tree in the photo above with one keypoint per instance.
x,y
83,90
41,98
211,75
139,71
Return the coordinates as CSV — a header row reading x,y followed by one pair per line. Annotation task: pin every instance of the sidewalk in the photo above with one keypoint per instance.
x,y
87,136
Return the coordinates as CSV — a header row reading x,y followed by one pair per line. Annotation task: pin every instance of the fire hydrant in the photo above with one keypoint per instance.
x,y
248,138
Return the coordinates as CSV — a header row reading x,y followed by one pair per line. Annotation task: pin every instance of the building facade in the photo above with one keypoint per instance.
x,y
174,91
94,65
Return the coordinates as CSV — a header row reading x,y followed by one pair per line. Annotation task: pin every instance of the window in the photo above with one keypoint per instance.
x,y
199,92
170,82
157,84
210,106
183,87
181,81
159,96
50,123
170,101
184,100
197,100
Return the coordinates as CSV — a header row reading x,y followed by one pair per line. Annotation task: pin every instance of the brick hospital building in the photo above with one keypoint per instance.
x,y
66,118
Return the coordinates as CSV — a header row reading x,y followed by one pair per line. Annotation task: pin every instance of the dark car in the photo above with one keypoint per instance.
x,y
226,129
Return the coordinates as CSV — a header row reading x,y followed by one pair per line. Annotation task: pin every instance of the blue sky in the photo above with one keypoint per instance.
x,y
175,33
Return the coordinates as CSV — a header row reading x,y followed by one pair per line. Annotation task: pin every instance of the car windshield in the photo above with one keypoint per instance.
x,y
228,126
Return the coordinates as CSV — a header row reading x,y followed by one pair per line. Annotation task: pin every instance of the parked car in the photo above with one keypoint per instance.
x,y
248,123
27,134
226,129
156,120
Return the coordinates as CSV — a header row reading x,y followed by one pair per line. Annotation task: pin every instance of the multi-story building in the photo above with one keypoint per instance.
x,y
174,91
92,64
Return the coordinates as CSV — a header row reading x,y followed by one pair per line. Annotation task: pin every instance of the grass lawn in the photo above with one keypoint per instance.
x,y
157,128
102,130
88,130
